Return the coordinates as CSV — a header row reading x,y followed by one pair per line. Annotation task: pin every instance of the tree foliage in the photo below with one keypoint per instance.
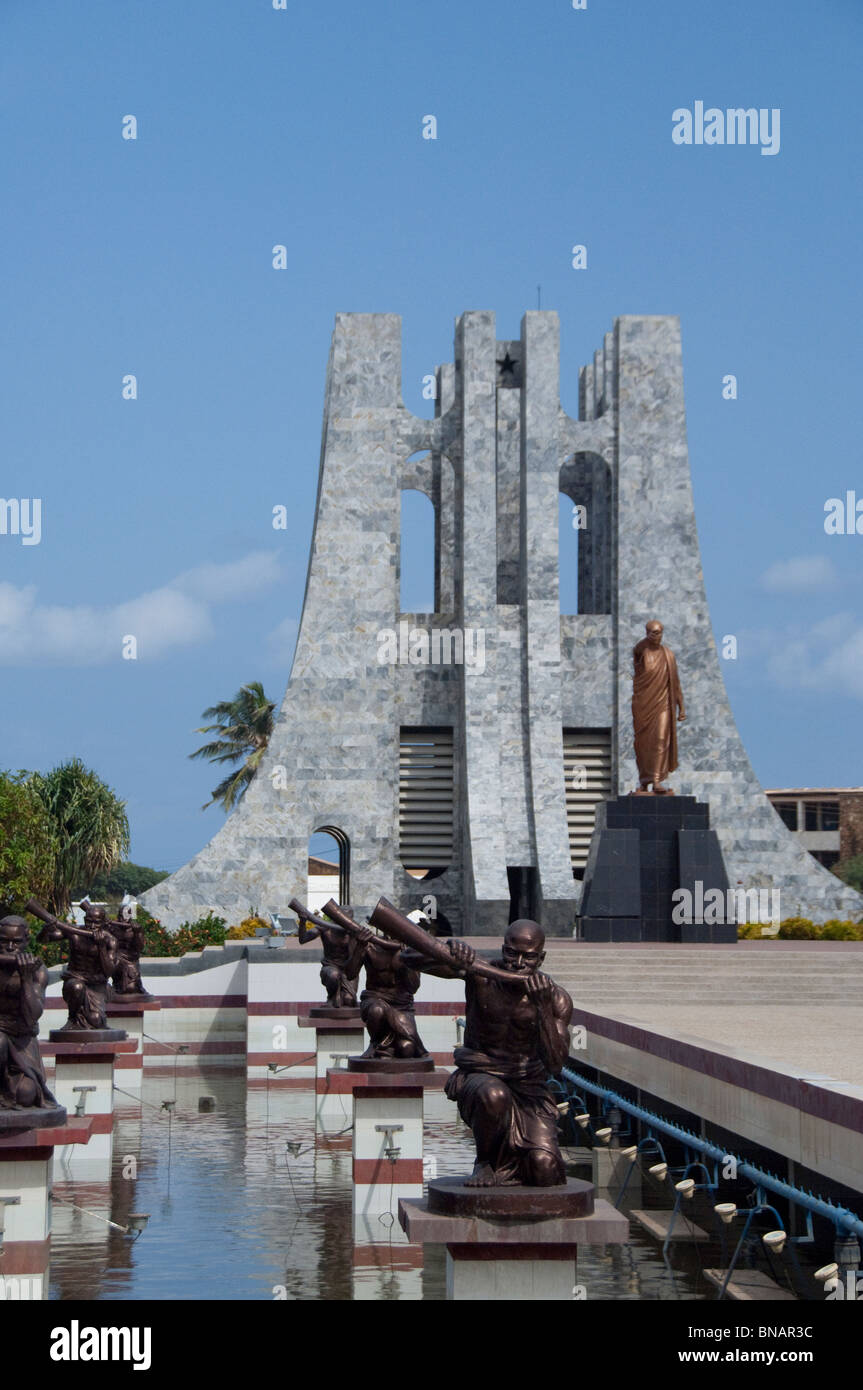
x,y
134,879
90,827
28,845
244,726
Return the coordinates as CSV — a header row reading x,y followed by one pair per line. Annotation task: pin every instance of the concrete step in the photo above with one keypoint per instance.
x,y
599,999
734,959
611,979
756,947
825,984
572,972
619,1003
850,986
706,977
850,983
735,956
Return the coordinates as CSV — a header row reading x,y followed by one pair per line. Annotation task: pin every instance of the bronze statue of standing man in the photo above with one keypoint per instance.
x,y
657,705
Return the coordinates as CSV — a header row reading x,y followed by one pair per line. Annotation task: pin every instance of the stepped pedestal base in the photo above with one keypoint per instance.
x,y
514,1243
643,849
26,1172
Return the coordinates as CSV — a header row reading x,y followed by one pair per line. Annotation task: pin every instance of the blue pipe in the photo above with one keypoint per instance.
x,y
649,1139
843,1219
750,1216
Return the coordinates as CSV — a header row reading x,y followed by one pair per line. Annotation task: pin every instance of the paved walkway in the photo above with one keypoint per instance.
x,y
823,1039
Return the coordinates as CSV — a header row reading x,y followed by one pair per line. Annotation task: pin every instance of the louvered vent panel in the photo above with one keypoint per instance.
x,y
587,769
425,798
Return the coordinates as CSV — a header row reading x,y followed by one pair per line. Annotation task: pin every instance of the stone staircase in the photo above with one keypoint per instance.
x,y
614,978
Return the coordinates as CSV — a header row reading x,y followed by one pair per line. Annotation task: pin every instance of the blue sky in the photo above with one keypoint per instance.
x,y
303,127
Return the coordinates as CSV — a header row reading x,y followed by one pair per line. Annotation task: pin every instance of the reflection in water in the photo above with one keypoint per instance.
x,y
244,1218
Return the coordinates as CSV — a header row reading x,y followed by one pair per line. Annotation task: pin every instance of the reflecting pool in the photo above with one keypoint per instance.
x,y
244,1204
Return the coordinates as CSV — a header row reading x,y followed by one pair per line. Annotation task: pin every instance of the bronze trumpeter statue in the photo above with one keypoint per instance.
x,y
516,1037
126,983
343,956
23,978
387,1002
92,961
657,705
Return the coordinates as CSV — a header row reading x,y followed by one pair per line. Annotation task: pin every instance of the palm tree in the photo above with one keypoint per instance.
x,y
244,726
91,826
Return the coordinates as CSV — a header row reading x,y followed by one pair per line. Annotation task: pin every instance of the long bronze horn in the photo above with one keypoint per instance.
x,y
394,923
305,915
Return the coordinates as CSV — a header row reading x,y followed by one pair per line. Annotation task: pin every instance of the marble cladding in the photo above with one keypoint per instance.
x,y
493,461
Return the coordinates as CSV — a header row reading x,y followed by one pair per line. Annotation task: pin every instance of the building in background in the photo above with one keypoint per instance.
x,y
323,883
828,821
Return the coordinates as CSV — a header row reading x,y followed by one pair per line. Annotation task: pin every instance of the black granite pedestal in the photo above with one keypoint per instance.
x,y
643,848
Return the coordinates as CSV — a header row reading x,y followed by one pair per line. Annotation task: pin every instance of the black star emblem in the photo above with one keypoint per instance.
x,y
507,365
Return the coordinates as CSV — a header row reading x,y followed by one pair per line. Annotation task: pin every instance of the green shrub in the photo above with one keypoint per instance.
x,y
748,931
192,936
206,931
157,941
798,929
247,929
834,930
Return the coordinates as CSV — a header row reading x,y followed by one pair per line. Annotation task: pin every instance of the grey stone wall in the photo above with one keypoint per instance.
x,y
499,450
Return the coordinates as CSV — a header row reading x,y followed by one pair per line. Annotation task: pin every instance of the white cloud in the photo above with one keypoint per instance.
x,y
842,669
827,657
235,579
803,574
177,615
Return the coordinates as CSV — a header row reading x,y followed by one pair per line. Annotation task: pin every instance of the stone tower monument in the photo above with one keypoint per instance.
x,y
458,756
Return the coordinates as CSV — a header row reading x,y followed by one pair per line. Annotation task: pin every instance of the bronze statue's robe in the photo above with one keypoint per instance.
x,y
656,695
22,1058
22,1002
525,1125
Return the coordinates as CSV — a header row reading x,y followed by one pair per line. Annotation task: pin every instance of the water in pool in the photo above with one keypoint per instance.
x,y
235,1215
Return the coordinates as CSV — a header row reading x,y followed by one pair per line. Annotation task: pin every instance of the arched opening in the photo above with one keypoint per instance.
x,y
329,874
585,482
417,555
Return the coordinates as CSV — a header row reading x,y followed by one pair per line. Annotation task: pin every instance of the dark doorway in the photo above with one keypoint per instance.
x,y
523,892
